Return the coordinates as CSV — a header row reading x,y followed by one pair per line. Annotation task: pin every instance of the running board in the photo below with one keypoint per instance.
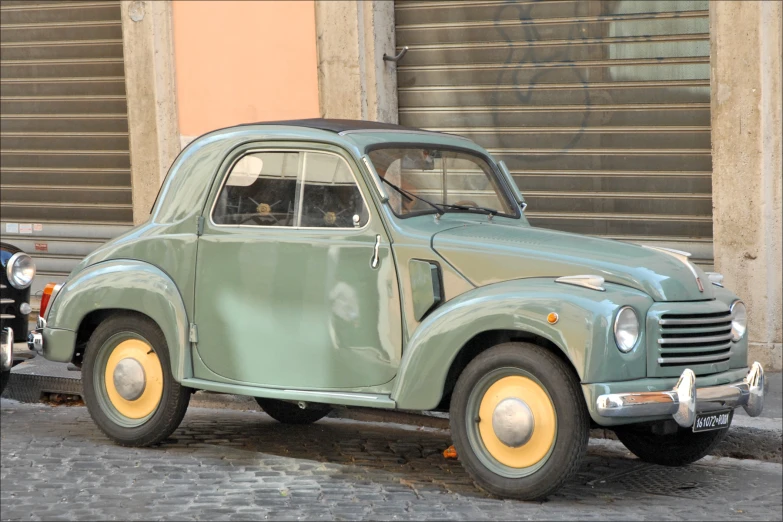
x,y
369,400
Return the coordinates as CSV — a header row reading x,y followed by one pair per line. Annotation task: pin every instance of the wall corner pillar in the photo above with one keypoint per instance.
x,y
353,79
746,150
151,96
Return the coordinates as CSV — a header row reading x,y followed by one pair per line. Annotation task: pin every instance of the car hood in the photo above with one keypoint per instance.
x,y
490,253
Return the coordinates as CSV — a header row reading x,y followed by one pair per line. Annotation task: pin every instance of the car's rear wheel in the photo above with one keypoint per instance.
x,y
672,449
128,386
518,421
291,413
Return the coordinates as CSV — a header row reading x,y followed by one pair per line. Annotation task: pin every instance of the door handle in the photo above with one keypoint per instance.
x,y
374,260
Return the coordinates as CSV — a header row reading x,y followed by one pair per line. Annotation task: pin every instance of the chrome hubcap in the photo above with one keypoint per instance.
x,y
513,422
129,379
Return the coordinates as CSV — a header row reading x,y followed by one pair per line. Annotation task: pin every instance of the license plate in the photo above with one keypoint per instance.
x,y
716,420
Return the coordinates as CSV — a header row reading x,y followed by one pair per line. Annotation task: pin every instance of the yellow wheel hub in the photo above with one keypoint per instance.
x,y
535,420
134,379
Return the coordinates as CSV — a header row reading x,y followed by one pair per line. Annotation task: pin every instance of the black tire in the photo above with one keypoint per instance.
x,y
291,413
174,398
573,421
674,449
4,376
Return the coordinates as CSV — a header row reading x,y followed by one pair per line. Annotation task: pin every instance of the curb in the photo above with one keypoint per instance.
x,y
26,387
758,439
742,442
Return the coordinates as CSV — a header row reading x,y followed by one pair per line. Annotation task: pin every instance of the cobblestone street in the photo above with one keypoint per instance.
x,y
236,465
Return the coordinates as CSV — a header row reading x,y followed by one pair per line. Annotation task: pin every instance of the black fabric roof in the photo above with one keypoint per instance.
x,y
337,125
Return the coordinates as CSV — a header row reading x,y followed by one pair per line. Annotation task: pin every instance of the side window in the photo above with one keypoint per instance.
x,y
330,196
261,190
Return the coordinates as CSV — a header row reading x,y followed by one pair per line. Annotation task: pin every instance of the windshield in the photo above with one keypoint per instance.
x,y
425,180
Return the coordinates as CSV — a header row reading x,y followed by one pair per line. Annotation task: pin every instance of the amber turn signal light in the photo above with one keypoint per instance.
x,y
552,318
47,295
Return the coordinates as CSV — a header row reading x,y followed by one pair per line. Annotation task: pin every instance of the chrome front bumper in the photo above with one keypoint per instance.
x,y
6,349
35,338
684,401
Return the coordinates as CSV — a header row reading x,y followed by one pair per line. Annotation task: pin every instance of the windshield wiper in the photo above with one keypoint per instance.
x,y
484,210
409,195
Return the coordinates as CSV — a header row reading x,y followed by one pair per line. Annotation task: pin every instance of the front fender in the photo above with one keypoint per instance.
x,y
119,284
583,332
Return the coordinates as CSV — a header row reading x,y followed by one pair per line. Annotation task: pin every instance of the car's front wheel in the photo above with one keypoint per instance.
x,y
673,449
291,413
518,421
128,386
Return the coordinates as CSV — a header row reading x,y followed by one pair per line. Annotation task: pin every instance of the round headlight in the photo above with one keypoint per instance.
x,y
20,270
739,322
626,329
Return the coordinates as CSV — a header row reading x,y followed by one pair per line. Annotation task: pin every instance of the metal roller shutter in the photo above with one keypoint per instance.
x,y
601,109
65,163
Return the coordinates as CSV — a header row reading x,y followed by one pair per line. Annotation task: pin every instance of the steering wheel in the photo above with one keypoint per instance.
x,y
330,218
466,203
263,213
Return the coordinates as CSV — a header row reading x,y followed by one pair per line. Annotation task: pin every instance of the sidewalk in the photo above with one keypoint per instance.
x,y
759,438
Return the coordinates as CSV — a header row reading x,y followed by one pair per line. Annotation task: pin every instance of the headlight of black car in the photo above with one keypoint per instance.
x,y
20,270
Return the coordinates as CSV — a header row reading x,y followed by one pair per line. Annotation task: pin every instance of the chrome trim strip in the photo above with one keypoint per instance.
x,y
334,394
376,178
7,316
685,400
694,340
714,329
593,282
696,359
520,199
6,301
300,151
710,320
668,350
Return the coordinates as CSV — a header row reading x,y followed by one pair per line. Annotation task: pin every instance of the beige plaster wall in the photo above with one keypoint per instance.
x,y
746,152
239,62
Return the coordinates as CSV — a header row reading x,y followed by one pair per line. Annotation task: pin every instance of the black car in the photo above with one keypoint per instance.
x,y
16,275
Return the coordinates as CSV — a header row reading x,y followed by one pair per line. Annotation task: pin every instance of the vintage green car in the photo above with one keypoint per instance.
x,y
320,263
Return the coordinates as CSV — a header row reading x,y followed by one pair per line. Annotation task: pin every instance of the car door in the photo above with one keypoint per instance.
x,y
295,280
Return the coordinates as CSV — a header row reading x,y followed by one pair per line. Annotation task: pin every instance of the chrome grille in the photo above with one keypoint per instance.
x,y
687,339
3,302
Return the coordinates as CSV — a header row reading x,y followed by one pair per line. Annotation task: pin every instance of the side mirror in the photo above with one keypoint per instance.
x,y
511,183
